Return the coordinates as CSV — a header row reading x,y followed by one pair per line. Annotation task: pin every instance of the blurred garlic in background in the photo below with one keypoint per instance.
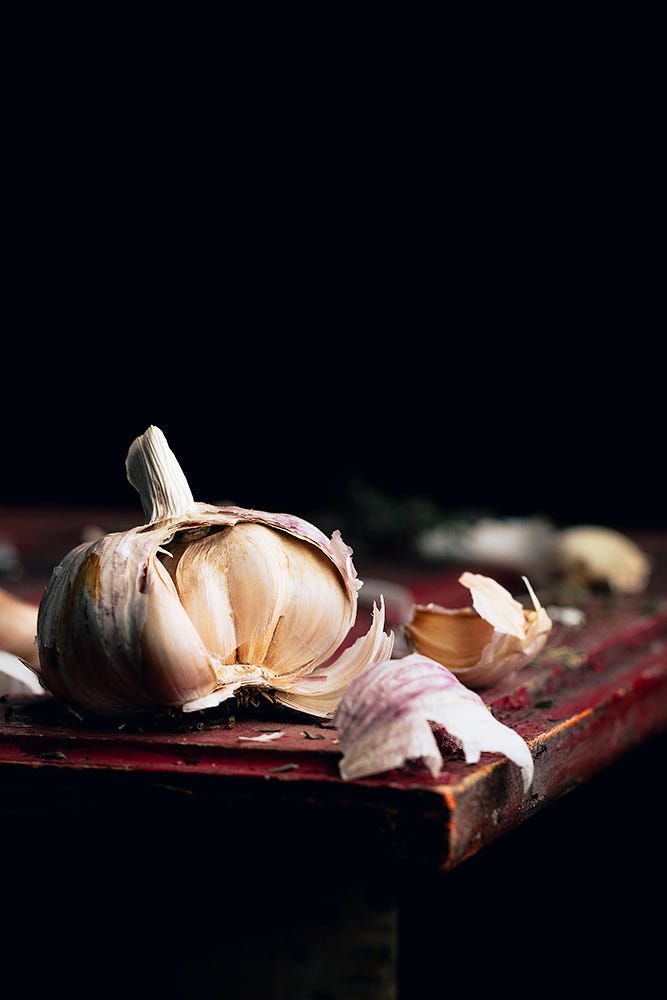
x,y
10,563
589,554
519,543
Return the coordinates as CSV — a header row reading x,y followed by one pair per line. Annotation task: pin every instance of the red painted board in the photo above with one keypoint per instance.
x,y
590,696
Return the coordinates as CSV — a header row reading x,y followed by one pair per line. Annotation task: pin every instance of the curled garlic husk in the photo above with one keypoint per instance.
x,y
199,602
593,555
18,628
483,643
384,720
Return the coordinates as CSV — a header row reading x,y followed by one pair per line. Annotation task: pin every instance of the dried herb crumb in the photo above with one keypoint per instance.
x,y
51,755
568,656
283,768
313,736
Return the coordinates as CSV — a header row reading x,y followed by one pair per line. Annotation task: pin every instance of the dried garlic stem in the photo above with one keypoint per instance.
x,y
153,470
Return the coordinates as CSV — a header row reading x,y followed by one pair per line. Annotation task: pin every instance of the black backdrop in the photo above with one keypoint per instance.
x,y
283,412
488,339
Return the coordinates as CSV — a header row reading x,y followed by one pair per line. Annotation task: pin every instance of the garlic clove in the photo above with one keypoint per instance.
x,y
320,692
486,642
455,638
200,574
18,628
175,666
591,555
260,596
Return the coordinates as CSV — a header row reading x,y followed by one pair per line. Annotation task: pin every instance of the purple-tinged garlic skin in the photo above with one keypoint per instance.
x,y
385,716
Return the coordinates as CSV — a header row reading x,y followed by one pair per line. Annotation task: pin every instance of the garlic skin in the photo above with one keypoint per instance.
x,y
199,602
589,554
479,645
385,719
17,678
18,628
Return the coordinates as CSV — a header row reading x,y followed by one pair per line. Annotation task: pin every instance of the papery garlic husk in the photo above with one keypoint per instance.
x,y
16,678
592,555
385,716
18,628
199,602
486,642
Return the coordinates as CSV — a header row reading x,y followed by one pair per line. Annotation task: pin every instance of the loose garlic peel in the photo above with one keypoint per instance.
x,y
483,643
18,627
200,602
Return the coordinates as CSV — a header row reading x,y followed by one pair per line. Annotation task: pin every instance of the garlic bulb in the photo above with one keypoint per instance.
x,y
18,628
483,643
589,554
202,601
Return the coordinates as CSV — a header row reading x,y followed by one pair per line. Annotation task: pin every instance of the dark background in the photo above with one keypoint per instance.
x,y
459,300
412,259
522,379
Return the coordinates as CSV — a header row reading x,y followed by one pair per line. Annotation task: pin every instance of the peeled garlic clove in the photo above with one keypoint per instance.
x,y
483,643
197,603
590,555
384,720
18,628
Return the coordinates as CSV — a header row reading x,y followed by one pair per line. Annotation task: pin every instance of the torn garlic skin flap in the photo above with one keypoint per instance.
x,y
385,716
